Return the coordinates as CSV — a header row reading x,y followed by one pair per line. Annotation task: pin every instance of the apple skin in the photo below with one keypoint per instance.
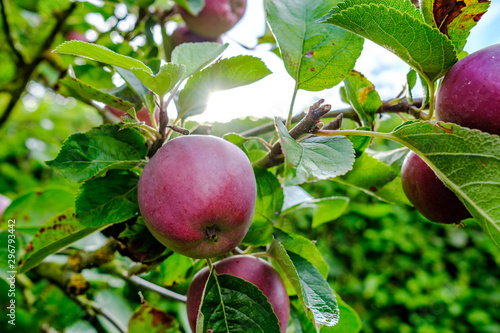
x,y
428,193
197,195
142,114
251,269
217,17
184,35
470,92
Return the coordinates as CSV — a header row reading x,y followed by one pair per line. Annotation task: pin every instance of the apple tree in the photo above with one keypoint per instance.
x,y
212,227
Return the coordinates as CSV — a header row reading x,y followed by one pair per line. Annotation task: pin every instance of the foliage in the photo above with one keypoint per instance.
x,y
330,215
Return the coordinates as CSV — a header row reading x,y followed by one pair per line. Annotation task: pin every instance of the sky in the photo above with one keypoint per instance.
x,y
271,96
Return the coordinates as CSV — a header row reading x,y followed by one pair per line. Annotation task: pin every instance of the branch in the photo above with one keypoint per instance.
x,y
92,308
26,71
403,106
10,40
306,125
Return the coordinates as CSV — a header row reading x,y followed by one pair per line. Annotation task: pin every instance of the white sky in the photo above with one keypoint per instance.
x,y
271,96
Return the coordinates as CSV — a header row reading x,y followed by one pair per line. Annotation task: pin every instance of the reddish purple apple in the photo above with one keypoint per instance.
x,y
428,193
251,269
197,195
142,114
184,35
217,17
470,92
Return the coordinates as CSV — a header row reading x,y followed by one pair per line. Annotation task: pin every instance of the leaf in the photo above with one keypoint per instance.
x,y
324,209
174,270
195,56
317,56
363,97
307,249
109,199
138,87
162,82
192,6
57,233
317,298
267,208
84,92
455,19
349,322
392,25
393,158
467,161
315,158
148,319
225,74
89,154
101,54
31,210
375,178
231,304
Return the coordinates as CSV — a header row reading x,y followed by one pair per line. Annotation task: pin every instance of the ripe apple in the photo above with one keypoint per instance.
x,y
184,35
428,193
251,269
470,92
197,195
217,17
142,114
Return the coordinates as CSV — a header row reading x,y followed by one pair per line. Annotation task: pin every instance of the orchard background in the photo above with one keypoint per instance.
x,y
336,218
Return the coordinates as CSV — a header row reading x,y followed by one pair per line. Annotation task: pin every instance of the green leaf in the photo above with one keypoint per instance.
x,y
307,249
84,92
231,304
89,154
363,97
349,320
393,158
315,294
314,158
151,320
324,209
299,319
138,87
101,54
467,161
31,210
267,208
375,178
192,6
57,233
195,56
317,56
392,25
225,74
162,82
109,199
174,270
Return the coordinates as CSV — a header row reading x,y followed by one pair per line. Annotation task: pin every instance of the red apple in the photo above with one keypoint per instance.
x,y
217,17
197,195
184,35
470,92
251,269
428,193
142,114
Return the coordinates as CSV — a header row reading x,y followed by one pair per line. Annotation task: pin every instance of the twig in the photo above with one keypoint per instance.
x,y
27,70
93,308
10,40
305,126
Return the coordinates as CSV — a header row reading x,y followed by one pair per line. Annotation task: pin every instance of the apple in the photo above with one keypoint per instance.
x,y
75,35
470,92
4,203
217,17
197,195
428,193
251,269
142,114
184,35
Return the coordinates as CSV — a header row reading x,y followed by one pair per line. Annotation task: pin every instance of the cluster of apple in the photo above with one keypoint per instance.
x,y
216,17
197,196
469,95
